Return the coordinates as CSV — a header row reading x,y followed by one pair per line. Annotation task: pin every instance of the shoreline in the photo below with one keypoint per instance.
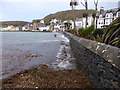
x,y
44,77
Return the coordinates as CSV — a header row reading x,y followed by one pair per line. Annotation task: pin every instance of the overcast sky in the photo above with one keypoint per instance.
x,y
27,10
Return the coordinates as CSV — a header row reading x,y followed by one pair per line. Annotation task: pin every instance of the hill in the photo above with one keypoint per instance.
x,y
66,15
15,23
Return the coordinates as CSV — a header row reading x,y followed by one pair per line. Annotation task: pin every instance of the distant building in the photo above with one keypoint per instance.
x,y
71,22
3,27
54,21
56,25
28,27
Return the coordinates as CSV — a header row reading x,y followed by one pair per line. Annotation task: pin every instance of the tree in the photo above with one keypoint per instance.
x,y
85,4
96,4
85,15
93,15
73,4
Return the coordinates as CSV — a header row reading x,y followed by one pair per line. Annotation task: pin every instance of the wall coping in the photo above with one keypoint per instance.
x,y
108,52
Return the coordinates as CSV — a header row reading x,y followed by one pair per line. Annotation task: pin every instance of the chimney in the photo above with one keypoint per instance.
x,y
101,10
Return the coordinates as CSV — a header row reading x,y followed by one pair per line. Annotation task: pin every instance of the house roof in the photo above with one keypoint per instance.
x,y
40,24
67,21
78,20
114,11
61,23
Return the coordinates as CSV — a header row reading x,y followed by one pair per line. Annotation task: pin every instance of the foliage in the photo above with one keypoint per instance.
x,y
88,30
97,34
112,34
109,35
85,14
73,4
80,30
71,31
93,15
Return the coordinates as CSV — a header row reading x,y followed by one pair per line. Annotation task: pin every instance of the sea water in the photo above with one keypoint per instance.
x,y
23,50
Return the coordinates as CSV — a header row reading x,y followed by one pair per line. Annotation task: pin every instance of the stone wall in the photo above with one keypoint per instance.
x,y
99,60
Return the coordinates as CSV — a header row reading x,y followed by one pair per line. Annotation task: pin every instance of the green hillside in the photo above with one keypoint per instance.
x,y
66,15
15,23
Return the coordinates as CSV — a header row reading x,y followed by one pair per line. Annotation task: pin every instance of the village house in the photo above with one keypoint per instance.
x,y
59,27
54,21
39,25
28,27
10,28
56,25
79,23
3,27
104,18
69,22
89,21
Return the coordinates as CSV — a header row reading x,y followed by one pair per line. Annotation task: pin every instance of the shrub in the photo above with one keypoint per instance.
x,y
80,30
71,31
88,30
98,32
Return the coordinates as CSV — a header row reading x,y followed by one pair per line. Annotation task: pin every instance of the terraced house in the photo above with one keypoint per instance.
x,y
105,17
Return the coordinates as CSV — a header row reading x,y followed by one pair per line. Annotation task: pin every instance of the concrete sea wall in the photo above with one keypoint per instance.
x,y
101,61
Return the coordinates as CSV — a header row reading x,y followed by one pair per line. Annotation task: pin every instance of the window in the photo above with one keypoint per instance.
x,y
111,15
107,15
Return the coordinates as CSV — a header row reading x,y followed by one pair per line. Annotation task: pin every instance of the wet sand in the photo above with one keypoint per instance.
x,y
45,77
19,57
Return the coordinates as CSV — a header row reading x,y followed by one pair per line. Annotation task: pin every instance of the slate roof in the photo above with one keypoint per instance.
x,y
40,25
78,20
114,11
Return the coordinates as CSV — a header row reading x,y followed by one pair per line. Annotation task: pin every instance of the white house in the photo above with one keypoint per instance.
x,y
104,18
59,27
56,25
27,27
11,28
79,23
41,27
89,21
54,21
3,28
70,21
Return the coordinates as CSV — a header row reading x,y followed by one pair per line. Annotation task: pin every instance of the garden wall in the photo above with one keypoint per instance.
x,y
101,61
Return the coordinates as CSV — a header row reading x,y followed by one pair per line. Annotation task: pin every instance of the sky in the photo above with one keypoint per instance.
x,y
28,10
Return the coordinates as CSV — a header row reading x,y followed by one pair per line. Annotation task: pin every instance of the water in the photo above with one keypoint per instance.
x,y
23,50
